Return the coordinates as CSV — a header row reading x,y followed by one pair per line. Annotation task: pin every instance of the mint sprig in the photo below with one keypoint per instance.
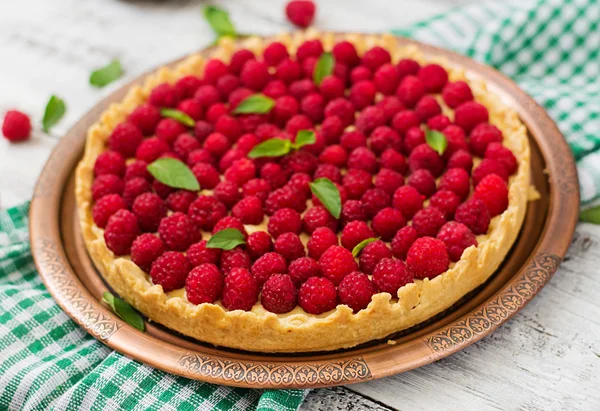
x,y
178,116
279,147
124,311
219,21
226,239
329,195
55,110
107,74
174,173
323,67
358,247
304,138
255,104
436,140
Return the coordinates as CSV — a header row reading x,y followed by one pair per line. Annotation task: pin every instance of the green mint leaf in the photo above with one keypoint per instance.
x,y
107,74
436,141
329,195
55,110
174,173
124,311
323,68
273,147
226,239
358,247
591,215
255,104
219,21
304,138
178,115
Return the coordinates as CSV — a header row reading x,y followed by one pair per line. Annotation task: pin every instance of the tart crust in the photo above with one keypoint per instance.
x,y
297,331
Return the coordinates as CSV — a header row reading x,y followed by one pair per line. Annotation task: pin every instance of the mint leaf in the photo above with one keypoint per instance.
x,y
591,215
219,21
107,74
178,115
273,147
255,104
329,195
124,311
323,68
226,239
436,141
358,247
55,110
304,138
174,173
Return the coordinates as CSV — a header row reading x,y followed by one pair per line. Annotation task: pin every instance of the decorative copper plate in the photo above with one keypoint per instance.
x,y
72,280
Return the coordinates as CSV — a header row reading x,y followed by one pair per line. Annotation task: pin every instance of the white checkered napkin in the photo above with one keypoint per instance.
x,y
551,49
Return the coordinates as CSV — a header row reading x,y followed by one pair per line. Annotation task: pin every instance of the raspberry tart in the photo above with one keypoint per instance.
x,y
310,192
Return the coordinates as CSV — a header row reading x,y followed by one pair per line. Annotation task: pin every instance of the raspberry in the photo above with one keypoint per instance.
x,y
308,66
191,107
408,67
332,87
164,95
258,244
279,294
122,228
402,241
386,79
388,180
353,139
214,69
289,246
360,73
207,175
375,58
336,262
266,131
300,12
149,209
187,86
461,159
331,129
125,139
493,192
341,71
434,77
107,184
169,129
456,180
215,111
353,210
423,181
227,193
427,258
474,214
390,106
233,259
275,89
109,162
266,266
316,217
334,155
203,284
364,159
184,145
300,162
288,71
318,146
317,296
487,167
482,135
424,157
470,114
170,271
240,291
178,232
249,210
446,201
413,138
374,200
357,182
237,96
151,149
285,108
328,171
393,160
454,94
455,137
389,275
230,127
370,119
241,171
344,52
145,249
137,168
134,188
439,122
341,108
297,123
410,90
16,126
238,60
496,151
227,84
246,143
387,222
207,96
372,254
427,108
105,207
428,221
356,291
362,94
285,197
258,188
198,254
161,189
274,53
383,138
206,211
255,75
230,222
408,200
284,220
303,268
321,239
310,48
313,105
457,237
405,120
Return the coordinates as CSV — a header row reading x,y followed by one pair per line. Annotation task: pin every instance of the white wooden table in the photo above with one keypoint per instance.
x,y
546,358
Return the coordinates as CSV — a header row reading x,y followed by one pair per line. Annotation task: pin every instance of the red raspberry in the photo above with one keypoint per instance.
x,y
299,182
402,241
105,207
496,151
336,262
364,159
446,201
258,244
461,159
207,175
387,222
434,77
137,168
344,52
240,291
341,108
455,136
266,131
267,265
423,181
204,284
408,200
241,171
383,138
427,108
227,84
285,108
439,122
357,182
239,95
353,210
389,275
285,197
300,162
191,107
178,232
207,96
246,143
169,129
308,66
232,259
279,294
424,157
303,268
353,139
125,139
198,254
249,210
122,228
170,271
149,209
284,220
227,193
334,155
313,105
331,129
151,149
187,86
457,237
454,94
289,246
341,71
428,221
370,119
106,184
288,71
230,127
275,89
482,135
332,87
487,167
255,74
161,189
493,192
297,123
310,48
356,291
372,254
408,67
328,171
230,222
164,95
238,60
184,145
16,126
410,91
474,214
413,138
362,94
145,249
301,13
274,53
405,120
229,157
456,180
470,114
375,200
390,106
214,69
321,239
427,258
258,188
109,162
388,180
360,73
386,79
133,188
393,160
375,58
206,211
316,217
317,296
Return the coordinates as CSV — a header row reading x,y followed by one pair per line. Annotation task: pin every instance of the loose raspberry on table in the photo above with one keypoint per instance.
x,y
198,254
203,284
408,200
106,184
249,210
438,122
387,222
336,262
285,197
374,200
402,241
434,77
317,296
257,187
279,294
16,126
240,291
267,265
372,254
109,162
486,167
356,291
187,86
353,210
408,67
474,214
354,232
122,228
423,181
360,73
191,107
288,71
457,237
184,144
328,171
456,180
145,249
413,138
303,268
470,114
335,155
461,159
289,246
228,193
427,258
390,274
424,157
456,93
258,244
353,139
227,84
342,108
206,211
321,239
332,87
496,151
149,209
370,119
164,95
345,52
388,180
239,58
300,12
169,129
297,123
125,139
214,69
178,231
207,96
232,259
316,217
405,120
482,135
284,220
150,149
428,221
170,271
332,129
446,201
362,94
363,159
492,190
105,207
393,160
410,90
137,168
133,188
